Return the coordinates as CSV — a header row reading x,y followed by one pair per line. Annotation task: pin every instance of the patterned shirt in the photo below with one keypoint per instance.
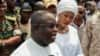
x,y
6,29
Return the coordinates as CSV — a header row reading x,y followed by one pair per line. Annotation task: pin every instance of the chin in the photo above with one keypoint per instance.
x,y
47,43
51,41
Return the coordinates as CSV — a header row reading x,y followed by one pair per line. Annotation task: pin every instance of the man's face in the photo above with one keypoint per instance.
x,y
11,3
26,15
47,31
65,18
81,12
3,8
90,7
79,18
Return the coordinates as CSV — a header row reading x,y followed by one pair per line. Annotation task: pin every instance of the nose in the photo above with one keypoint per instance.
x,y
55,29
69,19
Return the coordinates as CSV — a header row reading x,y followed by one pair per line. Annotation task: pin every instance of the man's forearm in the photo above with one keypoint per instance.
x,y
11,41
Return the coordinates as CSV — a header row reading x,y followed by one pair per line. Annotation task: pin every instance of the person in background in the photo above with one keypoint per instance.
x,y
50,5
20,2
98,4
24,20
91,35
90,9
80,20
12,12
43,32
81,2
67,36
39,5
9,36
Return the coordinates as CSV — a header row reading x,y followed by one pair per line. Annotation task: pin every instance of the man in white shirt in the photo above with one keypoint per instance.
x,y
43,29
67,36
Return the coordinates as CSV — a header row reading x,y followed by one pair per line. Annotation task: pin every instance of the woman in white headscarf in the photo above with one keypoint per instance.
x,y
67,36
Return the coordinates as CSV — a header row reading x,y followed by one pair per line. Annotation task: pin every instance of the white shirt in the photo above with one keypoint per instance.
x,y
69,43
31,48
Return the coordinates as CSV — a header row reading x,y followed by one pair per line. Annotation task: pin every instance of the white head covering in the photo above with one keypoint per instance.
x,y
67,5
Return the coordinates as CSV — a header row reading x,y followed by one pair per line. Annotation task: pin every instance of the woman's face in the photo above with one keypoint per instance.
x,y
65,18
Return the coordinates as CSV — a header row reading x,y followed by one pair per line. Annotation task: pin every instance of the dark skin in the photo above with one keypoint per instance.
x,y
25,17
45,32
3,8
11,4
12,40
91,7
79,18
52,9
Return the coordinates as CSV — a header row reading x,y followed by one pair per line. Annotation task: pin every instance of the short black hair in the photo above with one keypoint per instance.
x,y
39,17
0,1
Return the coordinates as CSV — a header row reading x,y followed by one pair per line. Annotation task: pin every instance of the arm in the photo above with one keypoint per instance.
x,y
14,40
11,41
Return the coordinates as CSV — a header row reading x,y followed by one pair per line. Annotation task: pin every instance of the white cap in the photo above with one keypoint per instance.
x,y
67,5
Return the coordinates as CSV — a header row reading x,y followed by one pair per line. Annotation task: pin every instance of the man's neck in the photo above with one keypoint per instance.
x,y
39,42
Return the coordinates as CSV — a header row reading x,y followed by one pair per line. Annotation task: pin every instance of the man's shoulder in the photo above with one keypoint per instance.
x,y
55,49
26,48
21,50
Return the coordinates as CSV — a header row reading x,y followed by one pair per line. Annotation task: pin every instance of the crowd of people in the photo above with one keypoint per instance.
x,y
49,27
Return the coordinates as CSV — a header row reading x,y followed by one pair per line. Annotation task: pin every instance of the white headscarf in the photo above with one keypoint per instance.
x,y
67,5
